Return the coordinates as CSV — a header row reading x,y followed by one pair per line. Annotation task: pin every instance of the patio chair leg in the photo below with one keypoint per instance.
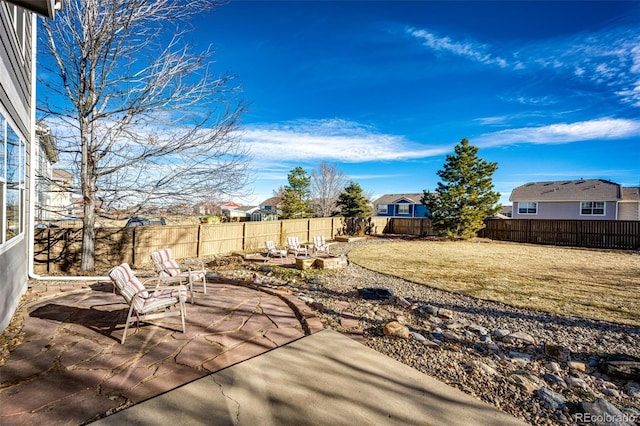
x,y
183,314
126,325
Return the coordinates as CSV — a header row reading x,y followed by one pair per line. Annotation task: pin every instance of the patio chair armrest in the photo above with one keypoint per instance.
x,y
173,279
169,287
152,279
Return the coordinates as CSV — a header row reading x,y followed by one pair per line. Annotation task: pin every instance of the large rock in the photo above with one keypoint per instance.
x,y
551,399
526,381
395,329
622,366
520,337
602,412
558,352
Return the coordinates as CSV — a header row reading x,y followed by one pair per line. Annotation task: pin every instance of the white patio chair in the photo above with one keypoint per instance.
x,y
169,270
272,251
296,247
320,245
147,304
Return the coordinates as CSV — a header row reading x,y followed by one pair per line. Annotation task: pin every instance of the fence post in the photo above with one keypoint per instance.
x,y
48,249
244,237
133,246
198,242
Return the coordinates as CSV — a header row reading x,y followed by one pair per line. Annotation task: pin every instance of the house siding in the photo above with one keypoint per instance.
x,y
394,201
629,211
565,210
17,99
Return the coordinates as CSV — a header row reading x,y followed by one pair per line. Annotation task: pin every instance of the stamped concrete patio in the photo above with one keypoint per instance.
x,y
71,368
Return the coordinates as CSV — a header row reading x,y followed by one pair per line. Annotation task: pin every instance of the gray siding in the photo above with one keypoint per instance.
x,y
15,68
13,280
629,211
16,71
564,210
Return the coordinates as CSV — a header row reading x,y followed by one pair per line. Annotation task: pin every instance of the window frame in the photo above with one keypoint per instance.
x,y
592,207
12,184
404,206
528,207
380,210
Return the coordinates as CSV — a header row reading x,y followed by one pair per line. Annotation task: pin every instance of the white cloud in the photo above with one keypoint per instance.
x,y
609,57
470,50
330,140
606,128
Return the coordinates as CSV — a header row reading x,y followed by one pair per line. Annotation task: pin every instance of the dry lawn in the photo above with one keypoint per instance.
x,y
596,284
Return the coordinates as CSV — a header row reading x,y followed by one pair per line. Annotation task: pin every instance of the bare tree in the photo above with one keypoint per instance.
x,y
138,116
327,182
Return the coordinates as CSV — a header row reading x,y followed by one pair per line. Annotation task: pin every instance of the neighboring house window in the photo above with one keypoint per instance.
x,y
403,208
383,209
12,182
592,208
528,208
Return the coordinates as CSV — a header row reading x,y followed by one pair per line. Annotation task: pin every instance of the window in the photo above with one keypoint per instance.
x,y
592,208
383,209
403,208
528,208
12,182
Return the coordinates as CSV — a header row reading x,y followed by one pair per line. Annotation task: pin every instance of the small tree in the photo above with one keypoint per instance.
x,y
352,202
326,183
353,205
465,197
296,199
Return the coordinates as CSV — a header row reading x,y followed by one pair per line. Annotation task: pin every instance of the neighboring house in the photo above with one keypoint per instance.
x,y
47,157
629,206
575,199
400,205
18,146
239,213
61,198
506,211
272,205
203,209
263,215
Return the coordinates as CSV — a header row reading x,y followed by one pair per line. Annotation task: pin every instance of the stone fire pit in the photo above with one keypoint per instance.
x,y
324,262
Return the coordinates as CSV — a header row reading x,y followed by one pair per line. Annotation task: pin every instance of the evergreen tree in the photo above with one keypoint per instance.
x,y
296,199
352,202
465,197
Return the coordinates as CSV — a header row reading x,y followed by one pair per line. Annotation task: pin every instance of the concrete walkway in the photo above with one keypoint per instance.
x,y
323,379
71,368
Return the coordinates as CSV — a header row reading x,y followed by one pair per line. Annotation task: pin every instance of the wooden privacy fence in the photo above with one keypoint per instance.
x,y
59,250
607,234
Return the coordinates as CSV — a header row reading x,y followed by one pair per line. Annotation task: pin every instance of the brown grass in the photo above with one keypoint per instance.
x,y
595,284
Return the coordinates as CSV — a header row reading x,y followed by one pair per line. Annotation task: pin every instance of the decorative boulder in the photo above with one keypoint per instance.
x,y
394,328
377,293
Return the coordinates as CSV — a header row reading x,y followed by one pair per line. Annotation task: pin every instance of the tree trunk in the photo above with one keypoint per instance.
x,y
88,186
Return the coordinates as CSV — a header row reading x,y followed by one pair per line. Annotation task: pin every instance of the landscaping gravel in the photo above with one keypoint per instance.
x,y
539,367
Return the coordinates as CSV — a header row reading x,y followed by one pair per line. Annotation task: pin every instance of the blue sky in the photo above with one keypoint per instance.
x,y
385,90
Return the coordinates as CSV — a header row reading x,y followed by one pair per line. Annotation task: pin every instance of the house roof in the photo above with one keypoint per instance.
x,y
62,175
273,201
631,193
396,198
46,8
568,190
48,143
